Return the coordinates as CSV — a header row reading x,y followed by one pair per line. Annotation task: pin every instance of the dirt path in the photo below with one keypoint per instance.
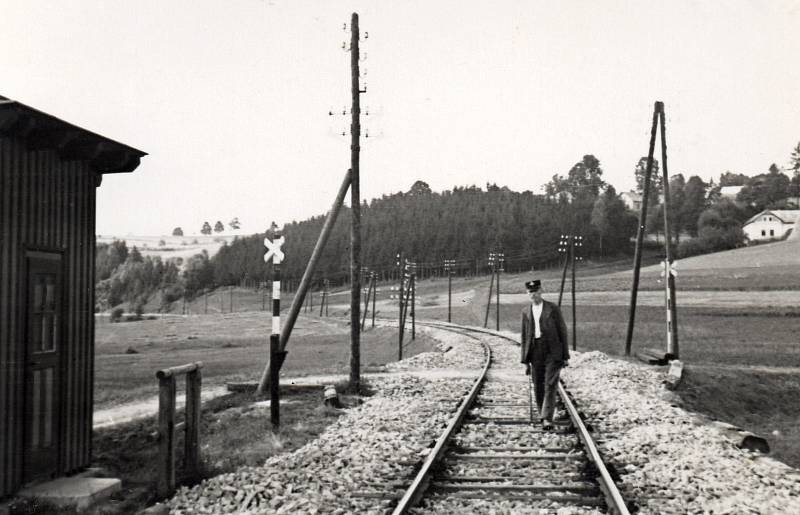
x,y
132,411
748,368
708,299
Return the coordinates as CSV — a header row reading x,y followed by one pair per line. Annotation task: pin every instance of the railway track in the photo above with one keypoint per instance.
x,y
491,457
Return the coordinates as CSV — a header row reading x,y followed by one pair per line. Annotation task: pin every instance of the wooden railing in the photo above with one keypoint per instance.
x,y
167,427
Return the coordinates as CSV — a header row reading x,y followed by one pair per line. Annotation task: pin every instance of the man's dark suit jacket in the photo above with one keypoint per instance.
x,y
554,333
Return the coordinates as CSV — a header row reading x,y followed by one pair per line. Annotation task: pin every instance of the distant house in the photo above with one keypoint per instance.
x,y
49,173
770,224
632,200
730,192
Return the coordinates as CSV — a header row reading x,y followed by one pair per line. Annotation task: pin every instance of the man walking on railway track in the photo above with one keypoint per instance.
x,y
544,349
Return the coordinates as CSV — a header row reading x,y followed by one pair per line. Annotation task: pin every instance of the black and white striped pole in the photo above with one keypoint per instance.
x,y
668,272
276,356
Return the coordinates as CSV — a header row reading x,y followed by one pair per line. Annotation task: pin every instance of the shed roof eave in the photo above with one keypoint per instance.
x,y
44,131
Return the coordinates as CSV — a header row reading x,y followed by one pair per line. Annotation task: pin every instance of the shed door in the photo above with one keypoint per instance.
x,y
42,349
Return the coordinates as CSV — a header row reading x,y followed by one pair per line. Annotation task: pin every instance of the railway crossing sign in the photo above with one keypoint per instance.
x,y
672,268
274,251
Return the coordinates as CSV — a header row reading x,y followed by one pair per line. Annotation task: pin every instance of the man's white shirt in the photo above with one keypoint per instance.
x,y
536,312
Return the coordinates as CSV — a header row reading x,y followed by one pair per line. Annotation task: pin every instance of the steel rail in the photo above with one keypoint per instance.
x,y
616,504
614,500
422,480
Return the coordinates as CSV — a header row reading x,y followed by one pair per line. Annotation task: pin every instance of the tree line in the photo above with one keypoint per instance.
x,y
466,223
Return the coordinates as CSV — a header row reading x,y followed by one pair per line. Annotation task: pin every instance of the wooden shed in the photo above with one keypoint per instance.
x,y
49,172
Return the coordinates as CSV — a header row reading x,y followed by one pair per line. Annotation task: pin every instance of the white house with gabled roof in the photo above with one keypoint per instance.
x,y
771,224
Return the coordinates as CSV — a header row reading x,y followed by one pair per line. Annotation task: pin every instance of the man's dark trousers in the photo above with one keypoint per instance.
x,y
545,374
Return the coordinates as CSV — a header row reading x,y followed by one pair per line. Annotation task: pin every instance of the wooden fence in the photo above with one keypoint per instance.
x,y
167,427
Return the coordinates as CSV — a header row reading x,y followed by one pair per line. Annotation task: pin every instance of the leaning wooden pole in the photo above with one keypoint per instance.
x,y
305,282
672,312
564,271
637,258
489,300
355,205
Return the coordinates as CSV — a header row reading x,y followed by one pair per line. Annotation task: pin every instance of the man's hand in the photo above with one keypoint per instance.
x,y
527,369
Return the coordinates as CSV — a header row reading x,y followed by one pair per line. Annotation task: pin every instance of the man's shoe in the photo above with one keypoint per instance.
x,y
547,425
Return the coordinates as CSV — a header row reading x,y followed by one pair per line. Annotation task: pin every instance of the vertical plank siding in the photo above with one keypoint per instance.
x,y
46,204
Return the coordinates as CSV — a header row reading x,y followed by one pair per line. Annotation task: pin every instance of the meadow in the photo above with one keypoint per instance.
x,y
742,357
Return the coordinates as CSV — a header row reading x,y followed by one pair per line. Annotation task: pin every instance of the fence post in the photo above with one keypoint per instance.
x,y
374,295
413,306
166,433
192,441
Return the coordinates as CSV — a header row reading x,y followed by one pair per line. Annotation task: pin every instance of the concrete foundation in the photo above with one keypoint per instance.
x,y
76,492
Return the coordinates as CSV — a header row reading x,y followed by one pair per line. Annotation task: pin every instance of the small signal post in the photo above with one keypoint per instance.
x,y
276,356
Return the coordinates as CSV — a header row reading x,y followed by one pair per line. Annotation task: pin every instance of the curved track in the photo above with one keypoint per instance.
x,y
491,456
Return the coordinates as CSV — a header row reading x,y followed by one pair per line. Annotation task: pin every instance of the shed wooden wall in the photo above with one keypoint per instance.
x,y
46,204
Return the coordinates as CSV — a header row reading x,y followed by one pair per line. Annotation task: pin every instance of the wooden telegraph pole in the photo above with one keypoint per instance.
x,y
672,312
577,241
501,259
562,248
374,295
414,302
367,292
637,257
492,264
669,272
401,274
355,206
448,268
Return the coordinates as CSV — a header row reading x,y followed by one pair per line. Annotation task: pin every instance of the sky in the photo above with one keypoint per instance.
x,y
230,98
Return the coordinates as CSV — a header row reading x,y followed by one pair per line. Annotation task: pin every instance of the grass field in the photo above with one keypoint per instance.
x,y
233,347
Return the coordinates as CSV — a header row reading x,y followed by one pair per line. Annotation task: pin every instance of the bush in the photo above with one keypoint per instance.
x,y
170,294
116,314
692,247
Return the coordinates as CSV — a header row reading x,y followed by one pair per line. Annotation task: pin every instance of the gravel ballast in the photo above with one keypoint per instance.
x,y
669,460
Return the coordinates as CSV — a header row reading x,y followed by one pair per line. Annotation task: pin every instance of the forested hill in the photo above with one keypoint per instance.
x,y
464,225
